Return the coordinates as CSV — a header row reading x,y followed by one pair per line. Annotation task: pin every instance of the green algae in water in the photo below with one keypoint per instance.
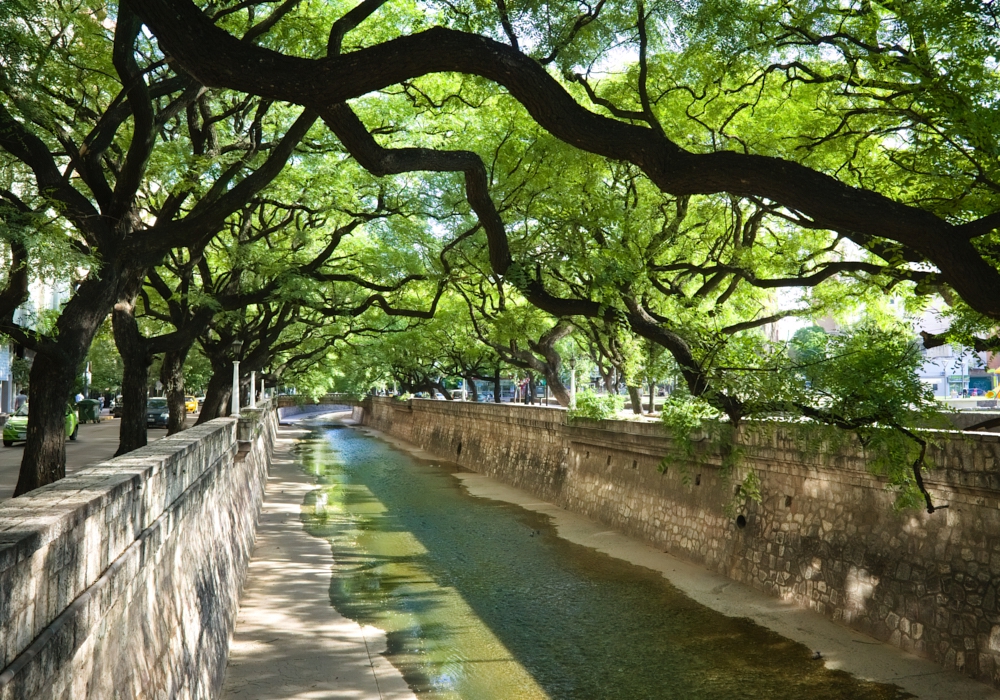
x,y
480,599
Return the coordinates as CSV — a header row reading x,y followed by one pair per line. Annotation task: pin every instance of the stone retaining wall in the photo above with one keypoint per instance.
x,y
824,534
123,580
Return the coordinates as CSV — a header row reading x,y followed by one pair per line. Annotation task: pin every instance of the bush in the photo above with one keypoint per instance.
x,y
597,406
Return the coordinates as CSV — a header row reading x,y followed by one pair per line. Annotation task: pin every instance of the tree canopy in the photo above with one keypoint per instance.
x,y
454,189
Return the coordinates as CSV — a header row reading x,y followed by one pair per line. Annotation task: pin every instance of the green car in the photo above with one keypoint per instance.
x,y
16,428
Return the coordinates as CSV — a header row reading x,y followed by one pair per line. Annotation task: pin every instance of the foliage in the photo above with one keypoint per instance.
x,y
684,416
596,406
105,363
20,370
808,345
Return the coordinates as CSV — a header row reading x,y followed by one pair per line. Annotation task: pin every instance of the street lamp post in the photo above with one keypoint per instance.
x,y
253,389
235,405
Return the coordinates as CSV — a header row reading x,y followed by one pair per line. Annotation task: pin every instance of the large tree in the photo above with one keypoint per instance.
x,y
632,123
101,136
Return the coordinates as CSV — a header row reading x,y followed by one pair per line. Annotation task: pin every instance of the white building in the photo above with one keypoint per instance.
x,y
43,297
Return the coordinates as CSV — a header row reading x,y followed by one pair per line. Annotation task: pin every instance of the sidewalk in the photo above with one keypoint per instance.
x,y
289,640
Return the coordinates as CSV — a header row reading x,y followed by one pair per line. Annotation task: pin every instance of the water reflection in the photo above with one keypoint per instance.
x,y
480,599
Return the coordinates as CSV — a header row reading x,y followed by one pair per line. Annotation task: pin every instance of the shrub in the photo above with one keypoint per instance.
x,y
597,406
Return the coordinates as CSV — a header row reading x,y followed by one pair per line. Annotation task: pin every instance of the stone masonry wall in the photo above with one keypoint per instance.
x,y
123,580
824,534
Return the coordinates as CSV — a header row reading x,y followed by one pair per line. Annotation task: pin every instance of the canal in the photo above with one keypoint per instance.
x,y
481,599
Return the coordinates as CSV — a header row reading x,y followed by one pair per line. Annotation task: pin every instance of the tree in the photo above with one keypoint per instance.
x,y
84,127
635,132
694,127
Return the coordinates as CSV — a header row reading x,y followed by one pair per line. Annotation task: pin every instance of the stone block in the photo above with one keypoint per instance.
x,y
112,535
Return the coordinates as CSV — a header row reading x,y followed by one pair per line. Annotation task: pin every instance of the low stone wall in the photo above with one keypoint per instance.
x,y
824,534
123,580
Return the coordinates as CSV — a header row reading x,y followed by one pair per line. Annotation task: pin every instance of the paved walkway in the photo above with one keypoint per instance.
x,y
290,642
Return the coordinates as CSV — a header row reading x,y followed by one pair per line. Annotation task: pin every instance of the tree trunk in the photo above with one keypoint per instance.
x,y
135,376
474,393
558,389
606,378
52,377
439,386
172,378
497,387
220,389
44,459
531,389
636,398
652,393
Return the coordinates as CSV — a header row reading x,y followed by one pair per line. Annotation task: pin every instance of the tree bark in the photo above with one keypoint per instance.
x,y
497,387
51,384
53,374
135,375
636,399
556,386
652,392
172,378
220,389
471,389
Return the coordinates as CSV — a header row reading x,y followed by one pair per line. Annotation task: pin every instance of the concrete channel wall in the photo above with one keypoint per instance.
x,y
297,407
123,580
824,534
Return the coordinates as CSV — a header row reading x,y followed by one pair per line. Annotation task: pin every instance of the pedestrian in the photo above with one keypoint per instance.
x,y
20,399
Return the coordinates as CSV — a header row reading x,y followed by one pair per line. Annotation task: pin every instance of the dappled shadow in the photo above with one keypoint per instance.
x,y
289,642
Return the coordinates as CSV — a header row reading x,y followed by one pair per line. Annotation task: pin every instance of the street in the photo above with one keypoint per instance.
x,y
95,442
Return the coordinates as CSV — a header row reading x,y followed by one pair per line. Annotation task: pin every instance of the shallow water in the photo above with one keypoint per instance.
x,y
482,600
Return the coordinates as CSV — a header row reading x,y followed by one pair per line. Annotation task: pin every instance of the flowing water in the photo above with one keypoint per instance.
x,y
481,600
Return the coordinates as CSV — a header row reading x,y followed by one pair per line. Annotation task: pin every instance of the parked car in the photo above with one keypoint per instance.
x,y
16,428
157,412
190,404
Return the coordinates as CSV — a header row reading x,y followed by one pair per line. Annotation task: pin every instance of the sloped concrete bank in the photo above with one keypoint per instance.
x,y
294,408
123,580
823,536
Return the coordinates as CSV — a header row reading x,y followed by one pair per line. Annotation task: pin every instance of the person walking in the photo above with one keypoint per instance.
x,y
20,399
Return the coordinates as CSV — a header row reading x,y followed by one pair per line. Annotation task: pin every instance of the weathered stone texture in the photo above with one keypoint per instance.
x,y
824,535
123,580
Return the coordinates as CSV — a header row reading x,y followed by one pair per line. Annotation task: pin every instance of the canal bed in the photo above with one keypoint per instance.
x,y
482,599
